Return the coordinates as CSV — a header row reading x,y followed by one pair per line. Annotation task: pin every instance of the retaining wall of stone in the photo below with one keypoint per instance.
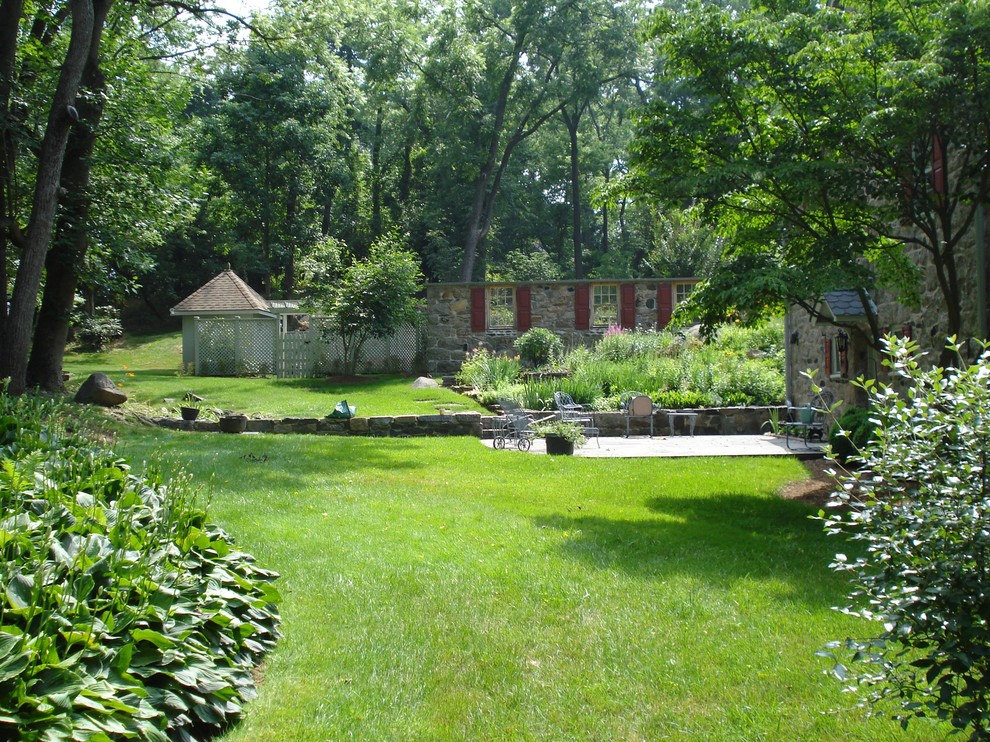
x,y
714,421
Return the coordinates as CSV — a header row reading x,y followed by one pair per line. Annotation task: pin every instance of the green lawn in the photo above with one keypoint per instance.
x,y
435,589
147,368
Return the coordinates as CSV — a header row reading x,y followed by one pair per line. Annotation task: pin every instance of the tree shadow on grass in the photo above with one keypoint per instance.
x,y
285,462
720,539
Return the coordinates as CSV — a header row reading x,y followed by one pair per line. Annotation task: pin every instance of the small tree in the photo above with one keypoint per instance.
x,y
921,508
367,298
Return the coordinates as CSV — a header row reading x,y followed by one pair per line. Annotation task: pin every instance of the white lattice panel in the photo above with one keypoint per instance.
x,y
228,346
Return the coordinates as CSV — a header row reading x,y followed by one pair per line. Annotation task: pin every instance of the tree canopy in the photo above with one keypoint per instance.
x,y
823,142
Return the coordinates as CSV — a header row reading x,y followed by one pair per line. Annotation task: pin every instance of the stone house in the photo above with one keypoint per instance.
x,y
463,316
839,345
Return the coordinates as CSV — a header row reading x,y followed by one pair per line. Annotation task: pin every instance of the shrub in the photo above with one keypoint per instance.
x,y
538,347
127,614
94,332
673,400
485,370
851,434
924,580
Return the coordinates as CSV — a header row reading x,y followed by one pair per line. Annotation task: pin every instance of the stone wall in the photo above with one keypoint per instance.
x,y
714,421
448,318
398,426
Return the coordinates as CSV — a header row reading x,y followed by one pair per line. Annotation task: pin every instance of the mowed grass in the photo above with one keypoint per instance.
x,y
435,589
147,369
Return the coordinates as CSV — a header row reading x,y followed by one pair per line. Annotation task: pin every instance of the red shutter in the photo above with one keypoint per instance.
x,y
627,306
665,304
524,309
582,308
939,176
479,310
828,356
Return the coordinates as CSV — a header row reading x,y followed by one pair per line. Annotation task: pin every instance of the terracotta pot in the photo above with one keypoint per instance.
x,y
557,446
233,423
189,413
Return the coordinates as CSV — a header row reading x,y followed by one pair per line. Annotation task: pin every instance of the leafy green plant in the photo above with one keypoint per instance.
x,y
538,347
127,613
919,507
571,432
851,434
483,369
94,331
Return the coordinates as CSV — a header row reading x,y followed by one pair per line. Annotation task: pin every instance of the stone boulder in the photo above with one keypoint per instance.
x,y
100,389
425,382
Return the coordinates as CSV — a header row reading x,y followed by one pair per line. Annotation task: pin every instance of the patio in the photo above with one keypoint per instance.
x,y
684,446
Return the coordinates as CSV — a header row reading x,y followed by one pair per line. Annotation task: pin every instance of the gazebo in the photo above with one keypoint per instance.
x,y
229,328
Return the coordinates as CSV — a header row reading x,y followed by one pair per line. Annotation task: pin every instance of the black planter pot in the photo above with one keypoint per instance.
x,y
557,446
233,423
189,413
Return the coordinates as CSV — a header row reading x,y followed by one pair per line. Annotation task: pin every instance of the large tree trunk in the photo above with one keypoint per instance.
x,y
10,16
482,204
19,325
71,241
571,122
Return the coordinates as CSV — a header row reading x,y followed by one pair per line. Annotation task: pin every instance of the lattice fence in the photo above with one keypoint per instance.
x,y
229,346
253,347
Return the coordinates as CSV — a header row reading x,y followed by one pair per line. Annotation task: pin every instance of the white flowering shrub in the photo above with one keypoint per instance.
x,y
920,508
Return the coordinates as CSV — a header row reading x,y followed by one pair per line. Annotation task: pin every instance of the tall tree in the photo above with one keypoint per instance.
x,y
823,141
62,114
279,119
496,71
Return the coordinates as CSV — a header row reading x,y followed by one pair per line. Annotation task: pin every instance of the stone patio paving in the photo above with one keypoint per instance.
x,y
683,446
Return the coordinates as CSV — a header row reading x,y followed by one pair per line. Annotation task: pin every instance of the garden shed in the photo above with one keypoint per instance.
x,y
229,329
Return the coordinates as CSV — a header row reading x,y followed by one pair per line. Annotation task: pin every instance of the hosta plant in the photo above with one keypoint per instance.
x,y
125,613
920,508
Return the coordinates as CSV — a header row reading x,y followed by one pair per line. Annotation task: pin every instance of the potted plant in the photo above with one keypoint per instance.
x,y
230,422
561,437
190,406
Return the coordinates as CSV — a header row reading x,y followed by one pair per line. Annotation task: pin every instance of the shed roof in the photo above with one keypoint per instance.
x,y
846,303
225,292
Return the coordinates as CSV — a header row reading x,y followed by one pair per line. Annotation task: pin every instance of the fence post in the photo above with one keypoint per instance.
x,y
196,323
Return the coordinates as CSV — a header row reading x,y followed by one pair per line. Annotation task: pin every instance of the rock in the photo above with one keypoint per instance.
x,y
100,389
425,382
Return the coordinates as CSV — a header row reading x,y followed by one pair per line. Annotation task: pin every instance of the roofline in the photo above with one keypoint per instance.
x,y
563,282
219,312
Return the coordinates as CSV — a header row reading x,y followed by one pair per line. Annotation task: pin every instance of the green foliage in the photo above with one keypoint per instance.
x,y
743,366
126,611
483,369
538,347
571,432
889,88
851,434
373,297
683,245
95,331
920,510
620,345
519,265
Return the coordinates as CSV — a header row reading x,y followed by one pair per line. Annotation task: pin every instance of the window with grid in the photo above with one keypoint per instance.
x,y
605,305
501,307
682,291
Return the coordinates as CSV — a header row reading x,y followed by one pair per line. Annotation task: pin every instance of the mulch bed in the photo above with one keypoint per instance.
x,y
819,486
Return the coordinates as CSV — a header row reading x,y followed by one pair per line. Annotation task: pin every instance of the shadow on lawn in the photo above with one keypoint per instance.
x,y
288,462
720,539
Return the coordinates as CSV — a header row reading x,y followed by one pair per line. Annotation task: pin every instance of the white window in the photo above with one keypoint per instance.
x,y
501,307
682,291
605,305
